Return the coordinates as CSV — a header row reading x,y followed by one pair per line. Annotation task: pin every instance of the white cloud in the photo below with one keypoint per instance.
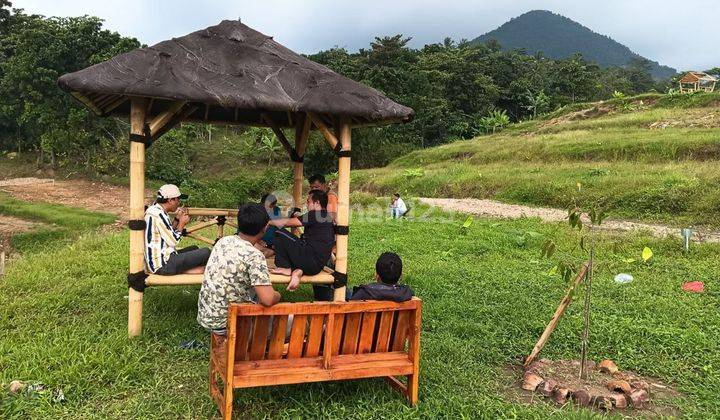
x,y
652,28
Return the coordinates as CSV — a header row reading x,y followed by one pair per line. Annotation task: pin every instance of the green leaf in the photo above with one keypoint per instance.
x,y
647,254
553,271
468,222
629,260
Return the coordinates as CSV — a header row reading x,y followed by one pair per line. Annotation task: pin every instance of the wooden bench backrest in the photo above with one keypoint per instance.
x,y
353,328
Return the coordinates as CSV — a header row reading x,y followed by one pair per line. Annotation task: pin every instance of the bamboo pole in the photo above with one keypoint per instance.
x,y
200,226
343,212
138,111
329,137
302,132
556,317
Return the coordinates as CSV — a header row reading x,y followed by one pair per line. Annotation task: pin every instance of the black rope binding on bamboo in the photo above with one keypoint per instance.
x,y
338,148
136,281
342,230
184,232
344,153
136,224
221,220
340,279
295,157
144,138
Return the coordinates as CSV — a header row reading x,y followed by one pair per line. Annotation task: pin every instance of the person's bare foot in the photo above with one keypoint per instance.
x,y
295,280
281,271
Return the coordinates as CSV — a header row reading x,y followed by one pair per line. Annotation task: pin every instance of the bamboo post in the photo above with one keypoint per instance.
x,y
343,213
138,111
302,131
556,317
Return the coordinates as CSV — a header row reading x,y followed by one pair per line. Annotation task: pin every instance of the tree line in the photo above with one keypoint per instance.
x,y
457,89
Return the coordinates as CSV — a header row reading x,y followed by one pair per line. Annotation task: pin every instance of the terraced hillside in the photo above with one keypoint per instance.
x,y
651,157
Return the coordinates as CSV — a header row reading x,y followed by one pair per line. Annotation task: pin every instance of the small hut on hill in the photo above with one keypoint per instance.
x,y
229,74
695,81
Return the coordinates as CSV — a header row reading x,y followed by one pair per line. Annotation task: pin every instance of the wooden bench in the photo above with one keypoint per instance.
x,y
328,341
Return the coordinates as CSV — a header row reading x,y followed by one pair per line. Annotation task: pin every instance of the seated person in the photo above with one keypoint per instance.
x,y
162,237
307,254
317,182
236,272
265,245
397,207
388,270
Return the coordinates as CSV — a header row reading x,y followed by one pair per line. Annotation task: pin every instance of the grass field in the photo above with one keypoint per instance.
x,y
622,158
61,224
487,296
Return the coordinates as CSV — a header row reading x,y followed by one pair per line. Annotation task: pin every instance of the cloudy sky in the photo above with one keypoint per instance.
x,y
652,28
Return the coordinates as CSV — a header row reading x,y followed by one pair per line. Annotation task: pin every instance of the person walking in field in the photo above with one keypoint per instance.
x,y
162,236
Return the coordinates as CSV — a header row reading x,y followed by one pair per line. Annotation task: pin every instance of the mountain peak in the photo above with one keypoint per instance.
x,y
559,37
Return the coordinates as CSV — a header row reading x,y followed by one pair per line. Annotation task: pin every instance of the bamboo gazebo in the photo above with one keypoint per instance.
x,y
695,81
229,74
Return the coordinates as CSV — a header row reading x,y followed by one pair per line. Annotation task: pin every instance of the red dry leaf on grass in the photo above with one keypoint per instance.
x,y
694,287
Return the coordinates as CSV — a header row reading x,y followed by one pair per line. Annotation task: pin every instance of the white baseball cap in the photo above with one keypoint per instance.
x,y
169,191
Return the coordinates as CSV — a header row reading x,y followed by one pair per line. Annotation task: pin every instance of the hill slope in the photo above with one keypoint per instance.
x,y
559,37
653,158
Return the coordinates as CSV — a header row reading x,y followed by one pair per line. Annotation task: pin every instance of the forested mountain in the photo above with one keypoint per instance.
x,y
559,37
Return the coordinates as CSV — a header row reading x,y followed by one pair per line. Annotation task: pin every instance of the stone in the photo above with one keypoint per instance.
x,y
561,394
619,400
608,366
546,388
602,402
639,397
16,386
531,381
619,386
581,397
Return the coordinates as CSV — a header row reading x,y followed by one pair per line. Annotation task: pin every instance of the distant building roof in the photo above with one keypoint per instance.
x,y
696,76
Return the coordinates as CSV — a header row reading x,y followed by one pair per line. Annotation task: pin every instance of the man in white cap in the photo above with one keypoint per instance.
x,y
162,236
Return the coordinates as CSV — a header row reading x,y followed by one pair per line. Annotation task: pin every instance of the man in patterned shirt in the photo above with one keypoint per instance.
x,y
236,271
162,236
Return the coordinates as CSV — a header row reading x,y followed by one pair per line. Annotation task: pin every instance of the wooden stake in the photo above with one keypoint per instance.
x,y
556,317
343,212
138,111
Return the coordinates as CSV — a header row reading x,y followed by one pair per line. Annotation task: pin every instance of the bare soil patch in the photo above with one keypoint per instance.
x,y
491,208
583,114
10,226
624,392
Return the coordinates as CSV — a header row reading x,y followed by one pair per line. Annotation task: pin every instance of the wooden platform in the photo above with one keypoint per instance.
x,y
189,279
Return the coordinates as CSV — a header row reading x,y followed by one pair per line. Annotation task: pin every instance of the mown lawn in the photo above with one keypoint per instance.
x,y
487,297
666,175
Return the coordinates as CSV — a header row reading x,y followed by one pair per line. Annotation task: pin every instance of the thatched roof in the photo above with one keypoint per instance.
x,y
229,73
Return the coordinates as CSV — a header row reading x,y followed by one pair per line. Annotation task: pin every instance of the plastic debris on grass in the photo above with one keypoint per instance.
x,y
623,278
694,286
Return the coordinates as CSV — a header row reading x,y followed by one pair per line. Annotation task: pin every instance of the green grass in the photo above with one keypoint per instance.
x,y
667,175
487,297
61,224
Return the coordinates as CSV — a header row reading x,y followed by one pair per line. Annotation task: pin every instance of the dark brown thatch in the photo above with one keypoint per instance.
x,y
229,73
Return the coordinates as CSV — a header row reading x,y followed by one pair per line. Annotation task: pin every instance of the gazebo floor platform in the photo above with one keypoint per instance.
x,y
190,279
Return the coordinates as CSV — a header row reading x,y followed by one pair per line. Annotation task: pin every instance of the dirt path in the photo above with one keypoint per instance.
x,y
490,208
91,195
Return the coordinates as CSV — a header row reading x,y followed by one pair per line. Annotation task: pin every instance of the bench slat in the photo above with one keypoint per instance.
x,y
277,337
352,333
314,339
383,337
401,331
297,337
337,333
351,366
259,337
367,332
242,338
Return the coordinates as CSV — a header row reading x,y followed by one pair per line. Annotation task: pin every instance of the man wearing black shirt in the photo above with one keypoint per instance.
x,y
307,254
